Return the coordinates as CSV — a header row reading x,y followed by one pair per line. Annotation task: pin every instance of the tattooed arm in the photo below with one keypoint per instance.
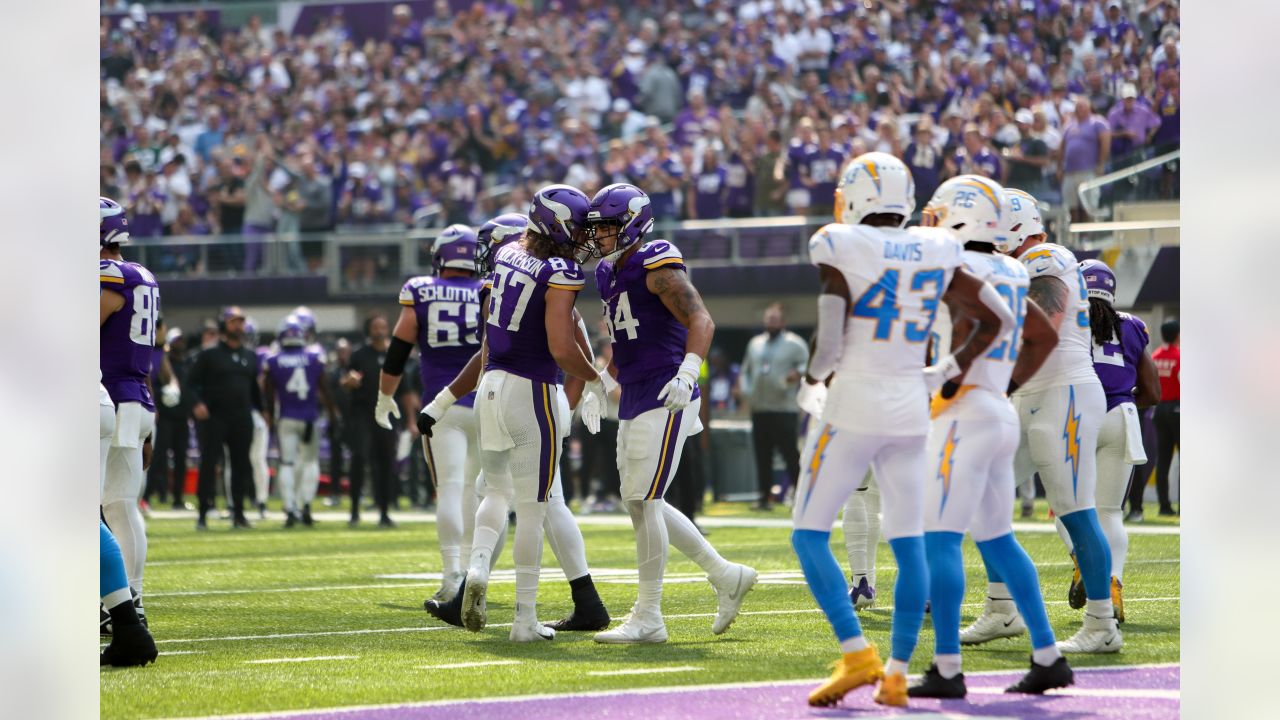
x,y
681,298
1050,293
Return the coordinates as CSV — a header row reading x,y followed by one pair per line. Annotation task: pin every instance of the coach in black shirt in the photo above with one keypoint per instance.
x,y
223,384
371,445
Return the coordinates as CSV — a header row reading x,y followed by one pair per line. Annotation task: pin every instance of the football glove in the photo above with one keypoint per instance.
x,y
812,398
386,406
435,410
945,369
678,392
593,406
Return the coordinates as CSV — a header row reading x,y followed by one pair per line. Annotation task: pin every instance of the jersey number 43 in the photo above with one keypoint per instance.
x,y
880,303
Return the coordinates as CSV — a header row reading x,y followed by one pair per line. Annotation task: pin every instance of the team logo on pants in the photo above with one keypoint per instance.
x,y
946,463
1071,433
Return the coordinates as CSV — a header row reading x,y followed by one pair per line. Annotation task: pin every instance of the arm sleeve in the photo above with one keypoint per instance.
x,y
989,297
830,338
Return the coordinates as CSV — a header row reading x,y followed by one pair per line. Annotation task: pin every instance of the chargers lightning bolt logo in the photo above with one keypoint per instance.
x,y
819,454
946,463
1071,433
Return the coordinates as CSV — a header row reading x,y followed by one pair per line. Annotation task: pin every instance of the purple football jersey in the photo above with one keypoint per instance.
x,y
517,331
448,312
648,341
1116,362
126,341
295,374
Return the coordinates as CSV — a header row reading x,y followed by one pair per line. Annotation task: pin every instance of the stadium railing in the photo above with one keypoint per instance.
x,y
1140,181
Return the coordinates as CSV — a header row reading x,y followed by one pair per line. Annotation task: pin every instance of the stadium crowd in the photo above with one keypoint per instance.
x,y
718,109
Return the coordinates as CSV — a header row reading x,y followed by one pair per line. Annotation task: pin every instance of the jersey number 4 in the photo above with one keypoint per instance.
x,y
622,320
880,303
298,384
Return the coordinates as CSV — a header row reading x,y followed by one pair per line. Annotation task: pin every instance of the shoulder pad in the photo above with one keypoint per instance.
x,y
110,271
659,253
822,245
1049,259
409,291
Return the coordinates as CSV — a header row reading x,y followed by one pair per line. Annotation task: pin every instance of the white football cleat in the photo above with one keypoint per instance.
x,y
635,629
530,631
474,613
731,590
996,621
449,588
1098,635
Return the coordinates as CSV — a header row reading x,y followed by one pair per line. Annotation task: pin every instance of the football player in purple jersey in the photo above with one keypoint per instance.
x,y
482,546
1131,383
661,331
128,306
294,383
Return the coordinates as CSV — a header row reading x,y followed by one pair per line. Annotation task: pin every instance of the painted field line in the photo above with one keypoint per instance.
x,y
595,693
257,591
183,652
1140,694
272,661
462,666
644,671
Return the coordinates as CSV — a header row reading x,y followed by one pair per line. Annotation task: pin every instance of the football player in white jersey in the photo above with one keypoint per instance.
x,y
972,443
881,286
1060,410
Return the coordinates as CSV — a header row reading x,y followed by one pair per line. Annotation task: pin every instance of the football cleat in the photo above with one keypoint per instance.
x,y
104,617
862,595
583,619
850,672
530,631
474,612
306,515
291,519
997,621
1075,594
1097,635
452,582
1044,677
892,690
448,612
131,645
731,590
933,685
262,511
635,629
1117,599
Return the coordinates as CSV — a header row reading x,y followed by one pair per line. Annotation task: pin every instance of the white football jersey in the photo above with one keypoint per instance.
x,y
1071,362
1009,277
896,280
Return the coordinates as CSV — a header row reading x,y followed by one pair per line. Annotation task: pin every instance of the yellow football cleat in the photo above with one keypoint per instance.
x,y
892,690
1117,598
1075,593
852,671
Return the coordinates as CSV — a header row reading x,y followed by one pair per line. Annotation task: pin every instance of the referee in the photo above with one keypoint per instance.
x,y
223,384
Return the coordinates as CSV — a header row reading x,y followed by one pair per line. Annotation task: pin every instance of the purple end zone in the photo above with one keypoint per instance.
x,y
1132,693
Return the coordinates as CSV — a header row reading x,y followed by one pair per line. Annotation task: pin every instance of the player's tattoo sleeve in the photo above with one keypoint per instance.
x,y
1050,294
681,298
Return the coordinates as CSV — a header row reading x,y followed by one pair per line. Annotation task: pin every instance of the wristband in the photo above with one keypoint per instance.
x,y
691,368
608,382
441,403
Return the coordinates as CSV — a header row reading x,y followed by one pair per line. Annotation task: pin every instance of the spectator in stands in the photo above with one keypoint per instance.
x,y
925,160
767,172
974,156
1029,158
1086,146
259,205
771,370
660,90
1133,124
708,193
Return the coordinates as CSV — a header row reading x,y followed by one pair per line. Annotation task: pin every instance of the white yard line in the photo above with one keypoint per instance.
x,y
272,661
1148,694
644,671
462,666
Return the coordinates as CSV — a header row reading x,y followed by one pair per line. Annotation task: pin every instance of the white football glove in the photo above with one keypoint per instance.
x,y
812,398
170,395
939,373
593,405
386,406
678,392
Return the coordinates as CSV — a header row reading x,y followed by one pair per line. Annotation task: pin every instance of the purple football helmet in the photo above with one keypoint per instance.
x,y
626,206
455,248
306,318
292,334
1099,281
560,213
251,330
493,234
113,226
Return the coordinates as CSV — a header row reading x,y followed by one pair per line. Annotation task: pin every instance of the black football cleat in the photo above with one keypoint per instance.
x,y
1041,678
131,645
104,621
590,619
449,612
241,522
933,685
306,515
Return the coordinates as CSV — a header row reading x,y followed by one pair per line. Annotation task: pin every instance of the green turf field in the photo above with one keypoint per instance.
x,y
339,613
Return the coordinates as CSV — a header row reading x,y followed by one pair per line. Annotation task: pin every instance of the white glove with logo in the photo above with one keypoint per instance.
x,y
593,406
812,398
939,373
678,392
386,406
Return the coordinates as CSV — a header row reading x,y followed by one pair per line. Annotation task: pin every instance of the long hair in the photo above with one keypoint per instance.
x,y
1104,321
543,247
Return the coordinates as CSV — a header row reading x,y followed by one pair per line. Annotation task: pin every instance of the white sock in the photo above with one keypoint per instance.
x,y
126,523
287,476
648,520
948,665
565,539
491,523
310,481
502,541
1112,522
685,537
895,666
1100,608
110,600
1046,656
527,552
853,644
449,526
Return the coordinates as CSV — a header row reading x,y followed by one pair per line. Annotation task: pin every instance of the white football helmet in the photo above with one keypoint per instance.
x,y
1026,219
972,207
871,183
